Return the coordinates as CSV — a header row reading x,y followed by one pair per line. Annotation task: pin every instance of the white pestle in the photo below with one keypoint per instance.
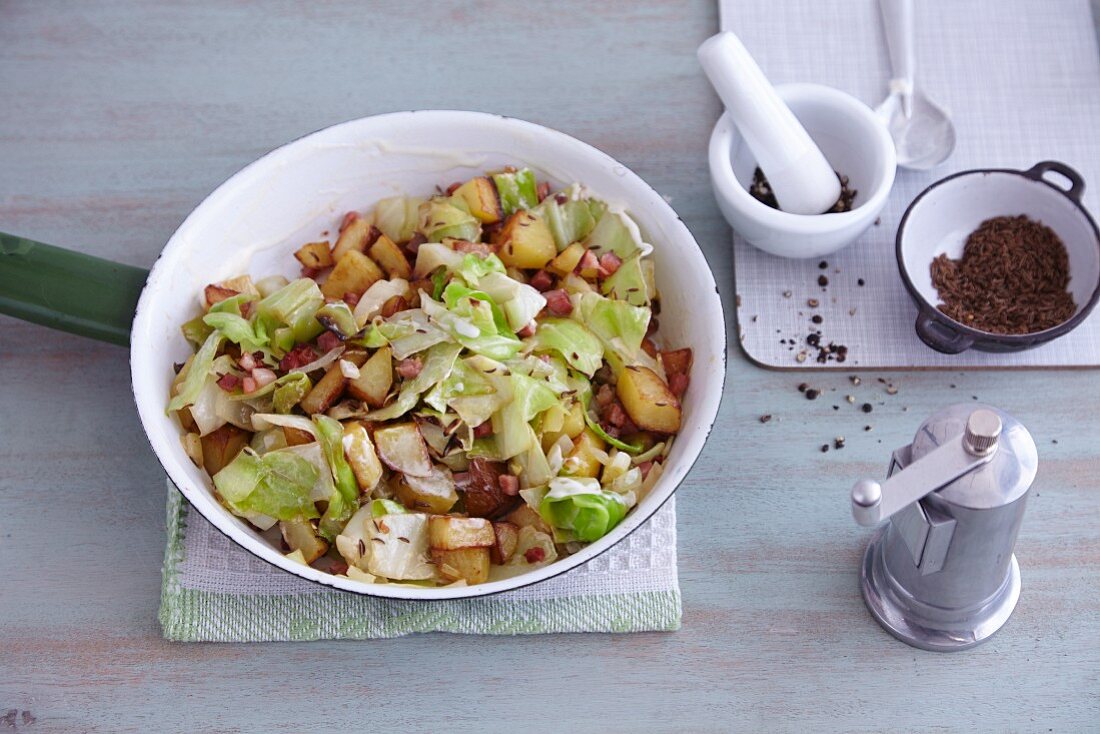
x,y
801,178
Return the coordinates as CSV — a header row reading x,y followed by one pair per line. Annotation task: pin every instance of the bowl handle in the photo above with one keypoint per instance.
x,y
1076,183
939,336
68,290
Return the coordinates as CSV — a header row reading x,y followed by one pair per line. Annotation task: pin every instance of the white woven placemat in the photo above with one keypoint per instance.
x,y
216,591
1022,81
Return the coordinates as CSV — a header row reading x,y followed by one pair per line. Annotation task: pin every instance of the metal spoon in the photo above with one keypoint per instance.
x,y
922,131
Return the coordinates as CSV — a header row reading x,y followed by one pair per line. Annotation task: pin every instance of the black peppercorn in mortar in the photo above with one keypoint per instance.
x,y
761,190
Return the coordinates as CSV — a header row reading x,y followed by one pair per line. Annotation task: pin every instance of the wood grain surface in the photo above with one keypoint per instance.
x,y
117,118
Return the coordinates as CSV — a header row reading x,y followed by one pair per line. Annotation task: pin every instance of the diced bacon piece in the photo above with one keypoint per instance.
x,y
678,384
328,341
247,361
246,309
542,190
249,384
310,272
628,426
541,281
509,484
535,555
415,242
300,355
588,261
462,479
558,303
645,466
263,376
615,415
526,331
351,298
609,263
483,431
477,248
229,382
410,367
604,396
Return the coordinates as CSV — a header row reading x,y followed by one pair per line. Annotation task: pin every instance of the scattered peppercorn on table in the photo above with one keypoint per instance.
x,y
130,114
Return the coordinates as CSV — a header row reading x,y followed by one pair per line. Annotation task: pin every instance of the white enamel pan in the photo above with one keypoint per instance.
x,y
254,221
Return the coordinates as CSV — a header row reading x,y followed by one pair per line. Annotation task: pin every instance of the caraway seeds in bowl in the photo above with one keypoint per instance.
x,y
1011,278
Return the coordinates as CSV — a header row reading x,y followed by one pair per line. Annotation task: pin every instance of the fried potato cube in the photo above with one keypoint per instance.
x,y
354,237
386,253
648,400
446,532
480,194
468,564
326,392
297,437
567,260
354,273
222,446
375,379
300,536
582,460
402,448
434,493
315,255
526,241
361,456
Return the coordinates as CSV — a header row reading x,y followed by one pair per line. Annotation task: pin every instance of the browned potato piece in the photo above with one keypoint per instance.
x,y
677,361
434,493
481,196
241,284
216,294
453,533
330,387
387,254
186,419
361,456
326,392
648,401
356,236
375,379
582,460
222,446
524,516
402,448
300,536
468,564
315,255
354,273
507,539
526,241
192,444
567,260
297,437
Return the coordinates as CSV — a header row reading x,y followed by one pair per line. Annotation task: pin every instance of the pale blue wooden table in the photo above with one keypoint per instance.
x,y
116,119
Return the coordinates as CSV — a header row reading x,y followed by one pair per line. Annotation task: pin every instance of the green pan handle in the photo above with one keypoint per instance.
x,y
68,290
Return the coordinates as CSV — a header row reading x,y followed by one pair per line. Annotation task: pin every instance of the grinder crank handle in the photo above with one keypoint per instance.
x,y
873,502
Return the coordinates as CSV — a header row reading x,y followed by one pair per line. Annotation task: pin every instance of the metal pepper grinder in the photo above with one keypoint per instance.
x,y
941,575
